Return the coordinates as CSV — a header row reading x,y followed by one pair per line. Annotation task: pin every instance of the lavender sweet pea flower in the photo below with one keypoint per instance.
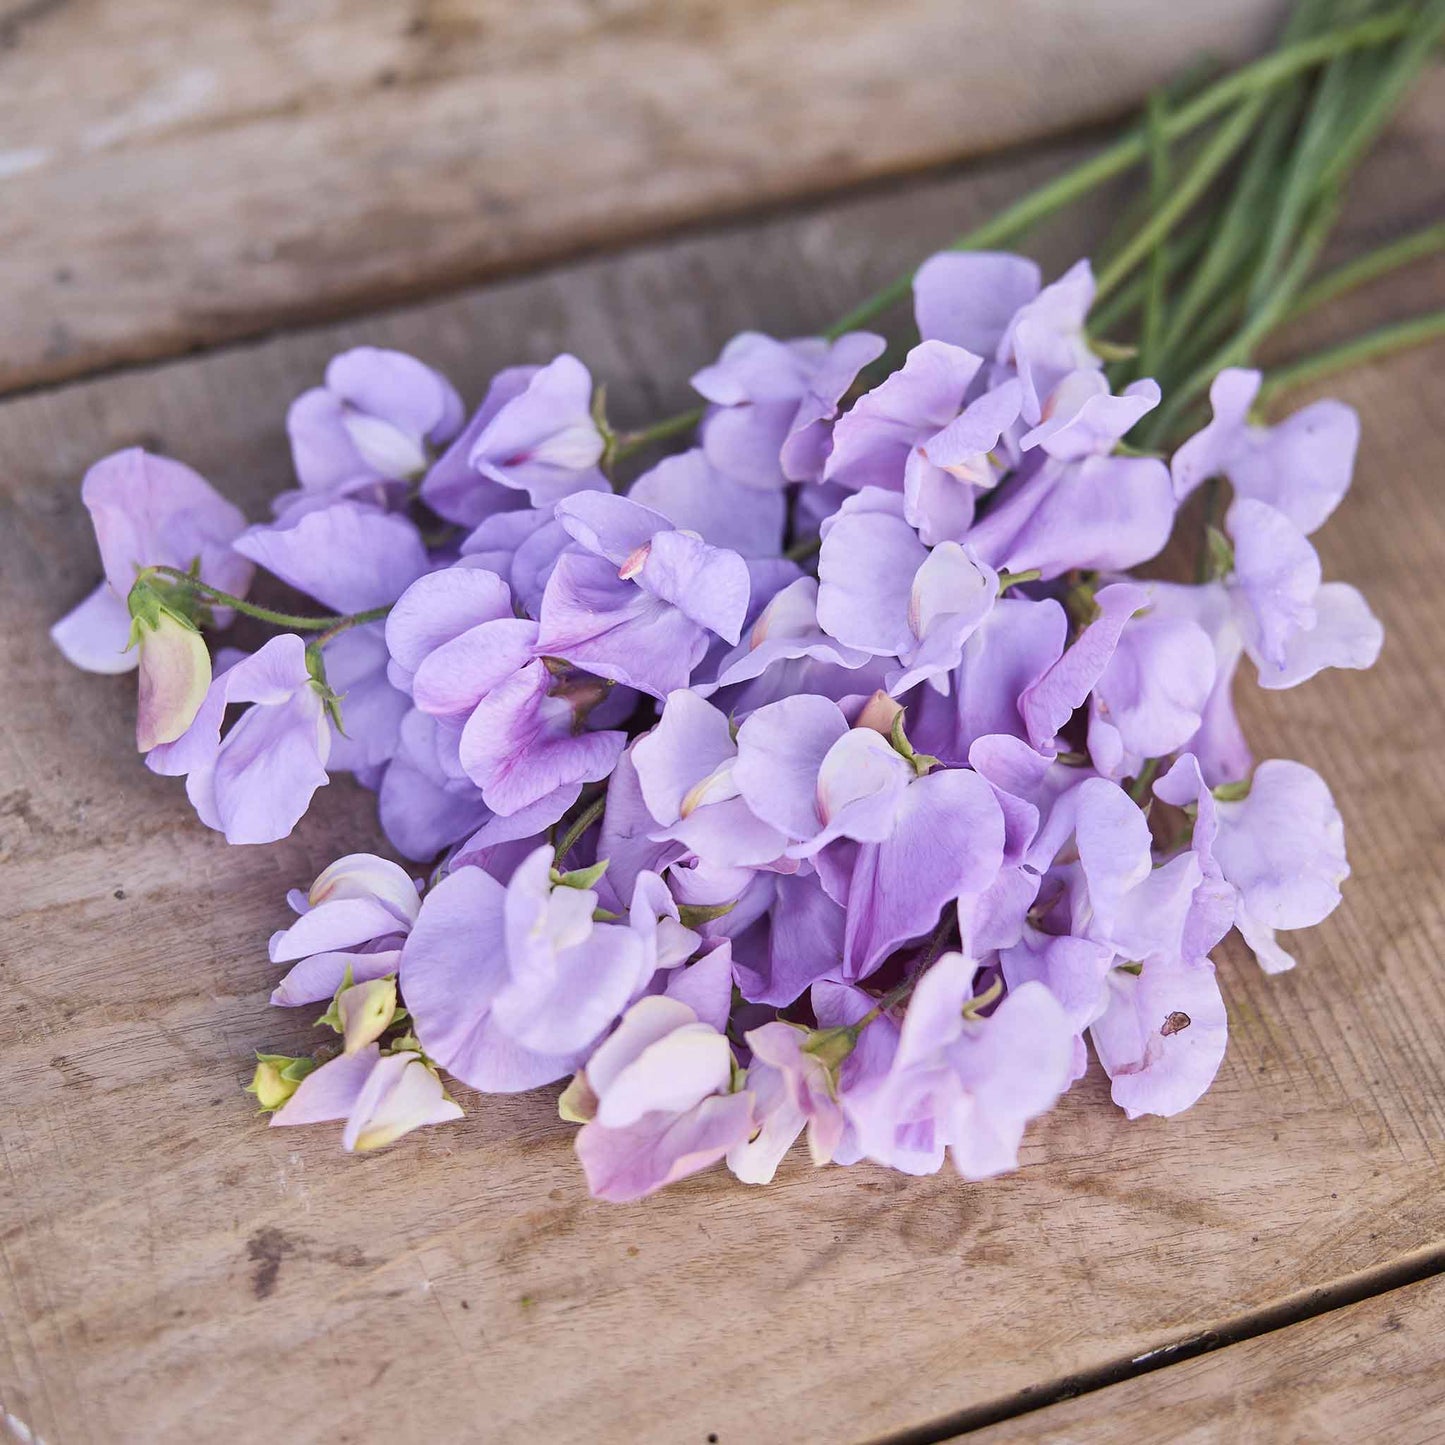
x,y
1149,700
787,632
945,473
1083,418
1162,1037
1292,625
371,428
926,840
658,1101
148,511
880,590
773,403
1219,744
685,769
968,298
968,1086
381,1097
508,722
254,784
1301,467
873,442
355,915
532,441
1045,340
793,1090
636,600
1282,847
544,441
511,987
1104,513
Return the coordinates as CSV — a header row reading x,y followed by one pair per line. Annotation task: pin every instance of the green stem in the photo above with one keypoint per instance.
x,y
1373,344
580,824
1264,75
801,551
1239,348
1211,160
335,623
630,443
1366,268
1157,276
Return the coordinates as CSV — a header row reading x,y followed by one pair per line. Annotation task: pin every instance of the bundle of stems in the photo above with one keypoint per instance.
x,y
1245,177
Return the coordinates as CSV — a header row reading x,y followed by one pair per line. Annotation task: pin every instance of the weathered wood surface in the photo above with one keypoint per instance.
x,y
174,173
174,1271
1371,1372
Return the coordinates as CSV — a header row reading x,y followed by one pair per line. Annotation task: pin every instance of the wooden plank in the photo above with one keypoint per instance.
x,y
174,174
1369,1372
173,1270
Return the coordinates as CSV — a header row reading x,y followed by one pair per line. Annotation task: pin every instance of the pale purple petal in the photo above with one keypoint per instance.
x,y
348,557
1162,1039
693,494
968,298
95,635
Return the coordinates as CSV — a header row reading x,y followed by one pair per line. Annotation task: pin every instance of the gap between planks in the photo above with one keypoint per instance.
x,y
1293,1309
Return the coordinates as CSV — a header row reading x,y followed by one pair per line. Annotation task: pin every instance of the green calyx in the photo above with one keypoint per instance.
x,y
922,762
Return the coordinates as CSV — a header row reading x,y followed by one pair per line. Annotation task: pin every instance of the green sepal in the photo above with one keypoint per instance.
x,y
1233,792
276,1079
922,762
1221,552
580,877
694,915
1112,350
316,667
331,1019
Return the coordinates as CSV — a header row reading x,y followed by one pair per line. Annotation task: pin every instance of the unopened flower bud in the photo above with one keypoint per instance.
x,y
578,1103
277,1077
365,1012
175,670
879,713
401,1093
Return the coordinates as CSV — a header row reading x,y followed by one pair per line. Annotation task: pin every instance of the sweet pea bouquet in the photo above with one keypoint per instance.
x,y
838,774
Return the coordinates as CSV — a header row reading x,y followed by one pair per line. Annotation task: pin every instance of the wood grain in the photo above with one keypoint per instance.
x,y
174,1271
1369,1372
173,174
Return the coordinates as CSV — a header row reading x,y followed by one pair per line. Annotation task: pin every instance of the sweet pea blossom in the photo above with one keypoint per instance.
x,y
773,402
635,599
1302,467
532,442
148,511
353,919
254,783
510,987
658,1102
881,591
961,1085
380,1096
793,1090
1282,848
371,427
923,841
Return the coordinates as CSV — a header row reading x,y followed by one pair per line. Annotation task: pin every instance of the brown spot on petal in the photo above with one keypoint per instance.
x,y
1176,1023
